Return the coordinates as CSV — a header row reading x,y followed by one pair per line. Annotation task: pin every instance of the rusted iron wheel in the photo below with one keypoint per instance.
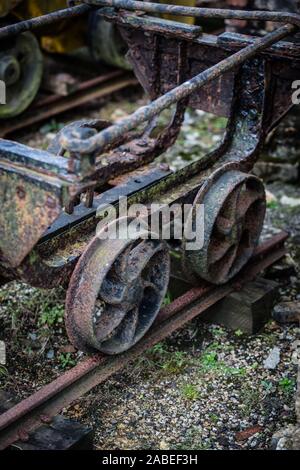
x,y
234,210
106,43
115,292
7,5
21,69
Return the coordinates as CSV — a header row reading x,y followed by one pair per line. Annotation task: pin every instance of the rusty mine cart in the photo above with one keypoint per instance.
x,y
50,199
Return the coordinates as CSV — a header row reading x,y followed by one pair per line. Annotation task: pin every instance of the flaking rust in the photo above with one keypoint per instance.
x,y
49,199
95,369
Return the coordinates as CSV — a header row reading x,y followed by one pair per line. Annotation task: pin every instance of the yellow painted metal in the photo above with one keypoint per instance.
x,y
68,35
65,37
182,19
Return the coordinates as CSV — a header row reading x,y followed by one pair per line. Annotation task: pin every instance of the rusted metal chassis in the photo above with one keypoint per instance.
x,y
205,13
39,408
100,141
27,171
131,5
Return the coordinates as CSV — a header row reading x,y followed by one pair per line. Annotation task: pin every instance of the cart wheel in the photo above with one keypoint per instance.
x,y
115,292
106,43
21,69
234,211
7,6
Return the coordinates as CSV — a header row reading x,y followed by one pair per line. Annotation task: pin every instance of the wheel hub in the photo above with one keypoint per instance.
x,y
9,69
21,68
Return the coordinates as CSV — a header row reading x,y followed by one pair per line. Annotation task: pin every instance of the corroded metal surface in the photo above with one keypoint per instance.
x,y
234,214
116,291
149,7
50,399
35,186
100,141
109,306
246,132
52,261
26,213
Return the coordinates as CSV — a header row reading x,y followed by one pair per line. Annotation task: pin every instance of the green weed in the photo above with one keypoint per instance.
x,y
190,392
66,360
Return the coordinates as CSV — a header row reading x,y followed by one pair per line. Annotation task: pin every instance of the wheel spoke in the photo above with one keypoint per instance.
x,y
251,227
248,198
121,264
114,287
140,256
106,319
227,217
124,334
224,265
110,305
231,204
246,238
218,250
151,285
224,225
113,291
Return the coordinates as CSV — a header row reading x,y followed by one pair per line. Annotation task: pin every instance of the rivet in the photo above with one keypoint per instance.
x,y
21,193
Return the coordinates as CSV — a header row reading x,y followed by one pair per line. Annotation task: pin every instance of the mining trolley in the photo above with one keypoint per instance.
x,y
52,201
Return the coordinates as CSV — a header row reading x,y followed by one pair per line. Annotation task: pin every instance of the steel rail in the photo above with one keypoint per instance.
x,y
99,141
39,408
53,105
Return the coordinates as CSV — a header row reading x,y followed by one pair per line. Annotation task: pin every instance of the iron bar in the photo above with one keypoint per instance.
x,y
98,142
52,398
213,13
44,20
156,8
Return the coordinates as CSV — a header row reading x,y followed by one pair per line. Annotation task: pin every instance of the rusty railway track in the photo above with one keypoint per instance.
x,y
43,405
50,105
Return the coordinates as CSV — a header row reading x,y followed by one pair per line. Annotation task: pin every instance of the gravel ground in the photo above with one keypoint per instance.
x,y
207,387
203,388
